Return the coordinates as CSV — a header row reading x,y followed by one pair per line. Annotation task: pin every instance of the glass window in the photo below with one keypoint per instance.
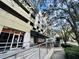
x,y
10,38
3,40
3,37
9,41
15,41
20,41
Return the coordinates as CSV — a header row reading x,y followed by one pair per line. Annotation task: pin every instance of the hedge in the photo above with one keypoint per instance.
x,y
72,52
66,45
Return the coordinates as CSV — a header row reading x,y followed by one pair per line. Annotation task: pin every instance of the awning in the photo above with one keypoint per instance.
x,y
37,34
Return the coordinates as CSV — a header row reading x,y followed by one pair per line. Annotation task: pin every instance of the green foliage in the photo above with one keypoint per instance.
x,y
66,45
72,52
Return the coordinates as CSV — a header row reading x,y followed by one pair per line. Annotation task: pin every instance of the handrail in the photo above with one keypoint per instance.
x,y
13,42
22,51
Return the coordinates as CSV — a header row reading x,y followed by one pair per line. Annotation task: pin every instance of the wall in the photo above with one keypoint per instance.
x,y
17,8
11,21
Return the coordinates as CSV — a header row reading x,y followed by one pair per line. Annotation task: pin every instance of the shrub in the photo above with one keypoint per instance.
x,y
72,52
66,45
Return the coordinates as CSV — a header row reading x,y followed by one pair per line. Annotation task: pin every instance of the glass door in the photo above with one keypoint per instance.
x,y
20,41
14,45
15,41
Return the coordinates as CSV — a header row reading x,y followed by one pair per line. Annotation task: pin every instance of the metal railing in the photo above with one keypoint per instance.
x,y
4,46
35,52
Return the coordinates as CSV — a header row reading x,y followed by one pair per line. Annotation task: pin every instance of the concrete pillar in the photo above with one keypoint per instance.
x,y
26,41
1,27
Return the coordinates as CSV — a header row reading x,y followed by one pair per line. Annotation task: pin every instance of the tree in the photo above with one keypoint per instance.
x,y
73,13
65,32
69,11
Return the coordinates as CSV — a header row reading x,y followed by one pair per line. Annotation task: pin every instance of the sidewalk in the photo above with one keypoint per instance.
x,y
58,53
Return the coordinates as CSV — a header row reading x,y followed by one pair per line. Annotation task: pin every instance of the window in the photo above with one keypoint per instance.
x,y
38,30
37,27
15,41
3,40
20,41
38,21
3,37
32,15
9,41
42,30
31,24
34,28
10,38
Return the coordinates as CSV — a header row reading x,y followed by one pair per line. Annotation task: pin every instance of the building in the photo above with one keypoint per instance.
x,y
39,33
17,22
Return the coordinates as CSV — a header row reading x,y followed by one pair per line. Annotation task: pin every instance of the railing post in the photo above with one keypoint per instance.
x,y
15,56
47,47
23,56
39,53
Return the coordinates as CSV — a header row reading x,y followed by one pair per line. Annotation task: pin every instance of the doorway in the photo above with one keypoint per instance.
x,y
15,41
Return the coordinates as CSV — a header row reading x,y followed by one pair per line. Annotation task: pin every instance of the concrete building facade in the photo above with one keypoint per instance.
x,y
20,25
15,24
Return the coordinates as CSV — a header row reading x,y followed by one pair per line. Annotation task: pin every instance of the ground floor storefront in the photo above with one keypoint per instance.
x,y
10,38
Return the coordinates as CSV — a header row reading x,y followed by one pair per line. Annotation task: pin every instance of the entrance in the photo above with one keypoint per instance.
x,y
15,41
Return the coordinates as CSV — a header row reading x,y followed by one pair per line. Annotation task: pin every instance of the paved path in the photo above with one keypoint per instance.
x,y
59,53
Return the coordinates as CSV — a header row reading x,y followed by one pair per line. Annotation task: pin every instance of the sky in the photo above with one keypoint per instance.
x,y
44,5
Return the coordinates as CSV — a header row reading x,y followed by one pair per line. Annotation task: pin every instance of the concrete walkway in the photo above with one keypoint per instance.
x,y
58,53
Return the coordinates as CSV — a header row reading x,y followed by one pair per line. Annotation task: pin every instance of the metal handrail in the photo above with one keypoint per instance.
x,y
10,43
13,43
4,46
8,46
28,49
20,42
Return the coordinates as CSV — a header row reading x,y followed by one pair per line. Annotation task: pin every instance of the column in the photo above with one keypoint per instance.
x,y
26,40
1,27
